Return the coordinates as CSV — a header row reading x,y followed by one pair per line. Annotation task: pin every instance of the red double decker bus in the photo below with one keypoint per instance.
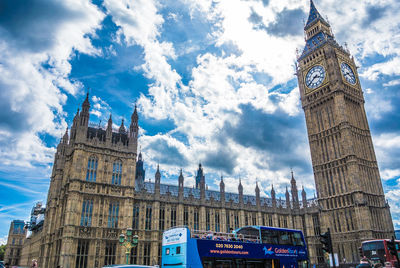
x,y
377,251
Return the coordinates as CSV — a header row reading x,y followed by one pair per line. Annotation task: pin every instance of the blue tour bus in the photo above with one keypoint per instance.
x,y
246,247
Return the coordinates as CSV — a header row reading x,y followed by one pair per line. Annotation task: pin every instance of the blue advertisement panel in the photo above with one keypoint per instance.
x,y
224,249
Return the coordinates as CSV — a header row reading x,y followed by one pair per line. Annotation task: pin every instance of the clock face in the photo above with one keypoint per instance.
x,y
315,76
348,73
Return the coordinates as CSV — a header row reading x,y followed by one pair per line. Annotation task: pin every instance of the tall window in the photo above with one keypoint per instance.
x,y
173,216
217,229
270,220
254,218
196,219
159,253
82,253
208,219
146,253
91,169
135,218
228,226
87,209
317,228
109,256
246,219
117,172
161,222
236,220
148,217
134,255
113,210
186,216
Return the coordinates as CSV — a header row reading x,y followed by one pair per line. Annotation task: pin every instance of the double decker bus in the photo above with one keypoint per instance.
x,y
377,251
246,247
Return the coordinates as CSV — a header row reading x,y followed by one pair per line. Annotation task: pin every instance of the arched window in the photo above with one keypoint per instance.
x,y
91,169
117,172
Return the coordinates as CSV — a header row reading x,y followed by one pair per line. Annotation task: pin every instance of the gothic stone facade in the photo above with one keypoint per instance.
x,y
346,172
16,237
97,190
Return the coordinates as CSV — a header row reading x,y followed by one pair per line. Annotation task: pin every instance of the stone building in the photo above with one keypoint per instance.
x,y
98,190
347,180
15,240
98,187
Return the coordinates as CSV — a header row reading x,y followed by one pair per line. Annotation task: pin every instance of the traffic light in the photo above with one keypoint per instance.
x,y
360,252
326,241
392,247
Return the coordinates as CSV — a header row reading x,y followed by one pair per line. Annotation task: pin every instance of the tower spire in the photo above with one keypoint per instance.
x,y
314,16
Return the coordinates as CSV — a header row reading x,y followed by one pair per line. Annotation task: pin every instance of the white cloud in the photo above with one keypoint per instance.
x,y
391,67
3,240
392,83
32,95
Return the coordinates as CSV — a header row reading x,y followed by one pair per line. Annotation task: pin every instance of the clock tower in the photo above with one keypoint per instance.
x,y
346,173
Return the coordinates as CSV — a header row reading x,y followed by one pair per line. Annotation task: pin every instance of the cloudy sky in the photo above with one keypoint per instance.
x,y
213,80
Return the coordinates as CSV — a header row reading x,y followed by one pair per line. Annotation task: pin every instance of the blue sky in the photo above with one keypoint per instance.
x,y
213,80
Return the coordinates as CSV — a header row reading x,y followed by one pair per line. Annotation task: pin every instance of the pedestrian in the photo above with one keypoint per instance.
x,y
34,263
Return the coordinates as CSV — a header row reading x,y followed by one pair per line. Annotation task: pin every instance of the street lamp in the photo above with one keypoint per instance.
x,y
128,242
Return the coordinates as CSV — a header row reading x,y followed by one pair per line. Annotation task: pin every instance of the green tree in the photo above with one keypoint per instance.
x,y
2,251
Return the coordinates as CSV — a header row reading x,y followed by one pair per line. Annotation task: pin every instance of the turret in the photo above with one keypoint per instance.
x,y
157,180
180,184
82,128
140,173
222,190
65,138
287,198
109,130
133,130
304,197
240,189
199,176
75,123
295,195
257,190
273,196
84,116
122,127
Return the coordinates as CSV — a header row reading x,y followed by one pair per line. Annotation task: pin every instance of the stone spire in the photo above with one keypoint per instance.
x,y
140,172
240,189
181,179
65,138
304,197
84,115
273,196
133,131
109,130
157,176
181,189
222,190
287,198
257,190
199,176
294,192
157,181
314,17
122,127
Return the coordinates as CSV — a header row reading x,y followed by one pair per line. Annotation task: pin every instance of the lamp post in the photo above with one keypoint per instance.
x,y
128,242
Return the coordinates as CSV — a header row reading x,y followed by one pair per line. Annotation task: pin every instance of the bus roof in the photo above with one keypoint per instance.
x,y
259,227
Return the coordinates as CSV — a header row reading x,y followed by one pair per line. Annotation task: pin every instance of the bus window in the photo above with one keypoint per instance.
x,y
178,250
167,251
270,236
297,240
285,238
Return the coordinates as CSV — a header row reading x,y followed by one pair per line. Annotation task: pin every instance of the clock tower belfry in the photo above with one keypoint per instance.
x,y
346,173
